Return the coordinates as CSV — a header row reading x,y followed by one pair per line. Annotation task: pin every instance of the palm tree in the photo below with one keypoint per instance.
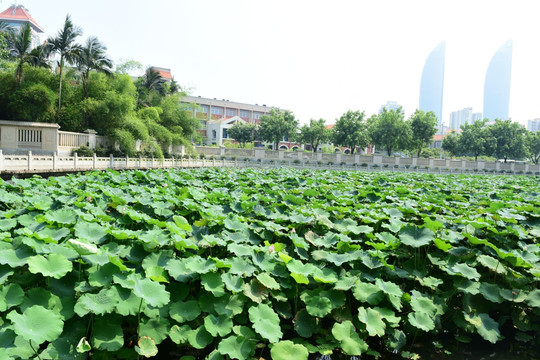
x,y
64,44
39,56
93,57
20,47
5,27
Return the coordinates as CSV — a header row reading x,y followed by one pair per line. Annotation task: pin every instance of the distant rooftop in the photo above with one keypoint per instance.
x,y
163,72
19,14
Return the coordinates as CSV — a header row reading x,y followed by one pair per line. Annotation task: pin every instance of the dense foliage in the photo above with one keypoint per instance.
x,y
244,264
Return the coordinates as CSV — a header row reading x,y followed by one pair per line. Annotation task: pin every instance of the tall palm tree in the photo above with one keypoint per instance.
x,y
20,47
5,27
93,57
39,56
64,44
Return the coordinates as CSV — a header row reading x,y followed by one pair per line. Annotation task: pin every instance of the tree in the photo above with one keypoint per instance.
x,y
351,131
510,139
20,46
389,130
5,29
423,126
314,134
64,45
476,139
39,56
242,132
93,56
275,127
451,144
532,146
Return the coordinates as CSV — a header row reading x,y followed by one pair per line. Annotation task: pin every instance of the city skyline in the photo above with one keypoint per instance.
x,y
311,57
497,84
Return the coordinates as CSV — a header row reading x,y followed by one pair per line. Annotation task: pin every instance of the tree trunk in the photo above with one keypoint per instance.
x,y
60,84
389,151
419,152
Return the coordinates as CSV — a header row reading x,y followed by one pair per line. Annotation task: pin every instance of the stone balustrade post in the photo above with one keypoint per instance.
x,y
357,159
463,164
30,164
94,161
414,161
431,163
513,166
377,159
338,158
111,161
55,160
75,161
1,160
127,161
497,165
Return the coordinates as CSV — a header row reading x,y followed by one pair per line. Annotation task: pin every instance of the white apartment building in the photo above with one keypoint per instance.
x,y
462,117
533,125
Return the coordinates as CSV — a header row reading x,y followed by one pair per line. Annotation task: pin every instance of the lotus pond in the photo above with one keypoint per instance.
x,y
267,264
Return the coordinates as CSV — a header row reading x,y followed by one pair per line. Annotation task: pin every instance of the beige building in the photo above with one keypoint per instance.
x,y
214,116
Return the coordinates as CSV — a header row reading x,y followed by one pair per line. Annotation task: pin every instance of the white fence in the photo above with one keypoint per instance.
x,y
376,161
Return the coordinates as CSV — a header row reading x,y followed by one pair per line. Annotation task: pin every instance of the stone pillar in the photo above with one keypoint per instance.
x,y
396,160
300,154
377,159
152,163
30,165
172,162
281,154
75,161
111,161
338,158
1,160
127,161
91,138
480,165
431,163
55,160
414,161
94,161
447,163
259,153
497,165
357,159
222,150
513,166
526,165
463,165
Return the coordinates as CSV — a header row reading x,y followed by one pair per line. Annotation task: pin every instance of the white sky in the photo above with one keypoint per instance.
x,y
316,58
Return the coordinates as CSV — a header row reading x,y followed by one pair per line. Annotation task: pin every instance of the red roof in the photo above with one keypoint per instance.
x,y
20,14
163,73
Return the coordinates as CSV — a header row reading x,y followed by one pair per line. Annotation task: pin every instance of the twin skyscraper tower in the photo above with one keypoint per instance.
x,y
496,84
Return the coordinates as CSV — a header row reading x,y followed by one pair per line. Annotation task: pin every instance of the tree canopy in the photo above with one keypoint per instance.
x,y
351,131
314,134
278,125
389,130
242,132
423,126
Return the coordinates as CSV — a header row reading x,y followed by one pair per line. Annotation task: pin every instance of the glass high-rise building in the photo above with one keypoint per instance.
x,y
497,84
432,84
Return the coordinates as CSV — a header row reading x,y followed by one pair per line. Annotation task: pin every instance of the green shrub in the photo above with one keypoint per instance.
x,y
83,151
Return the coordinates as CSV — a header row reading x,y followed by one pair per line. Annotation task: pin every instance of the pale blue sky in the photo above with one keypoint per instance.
x,y
316,58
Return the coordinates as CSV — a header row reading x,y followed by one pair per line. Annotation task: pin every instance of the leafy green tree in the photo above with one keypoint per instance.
x,y
532,146
351,131
314,134
39,56
5,29
242,132
128,67
151,88
423,126
275,127
20,46
476,139
509,138
176,118
389,130
451,143
92,57
64,45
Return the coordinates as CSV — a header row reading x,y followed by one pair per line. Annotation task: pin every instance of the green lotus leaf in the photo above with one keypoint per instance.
x,y
5,272
62,216
389,288
370,262
318,306
184,311
422,303
40,296
52,265
83,346
430,282
102,275
107,333
467,286
233,283
325,276
348,338
230,305
179,334
37,324
491,263
421,320
218,325
104,302
286,350
212,282
237,347
156,328
128,303
199,338
533,298
265,322
415,236
366,292
7,224
373,321
485,326
82,248
396,340
152,292
256,291
51,235
464,270
91,232
267,280
10,295
304,324
200,265
388,315
146,347
157,274
234,223
491,292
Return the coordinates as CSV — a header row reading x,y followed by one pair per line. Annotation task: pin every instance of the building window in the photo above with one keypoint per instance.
x,y
244,114
214,134
204,109
225,134
232,112
257,115
217,110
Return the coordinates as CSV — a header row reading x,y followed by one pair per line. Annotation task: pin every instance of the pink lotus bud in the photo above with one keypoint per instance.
x,y
271,249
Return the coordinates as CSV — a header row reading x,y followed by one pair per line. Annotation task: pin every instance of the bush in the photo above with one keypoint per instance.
x,y
83,151
296,161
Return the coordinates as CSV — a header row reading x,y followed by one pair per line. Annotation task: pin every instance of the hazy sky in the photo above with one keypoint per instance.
x,y
316,58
